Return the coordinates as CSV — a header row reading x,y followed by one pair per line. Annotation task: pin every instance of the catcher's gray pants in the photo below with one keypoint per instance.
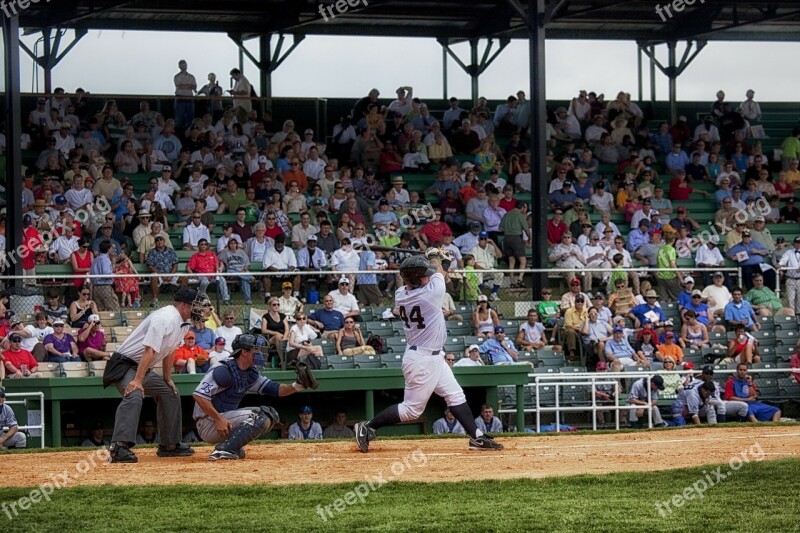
x,y
168,412
17,440
208,431
715,407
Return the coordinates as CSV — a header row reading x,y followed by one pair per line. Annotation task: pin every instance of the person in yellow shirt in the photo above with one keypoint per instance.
x,y
573,320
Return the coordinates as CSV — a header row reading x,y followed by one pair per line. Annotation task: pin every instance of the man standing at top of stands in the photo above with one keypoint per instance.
x,y
153,341
185,86
242,89
403,102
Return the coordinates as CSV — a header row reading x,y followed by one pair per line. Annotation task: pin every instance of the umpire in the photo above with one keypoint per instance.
x,y
130,370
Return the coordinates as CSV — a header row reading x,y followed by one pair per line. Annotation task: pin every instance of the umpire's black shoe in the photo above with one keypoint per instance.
x,y
178,450
120,453
484,442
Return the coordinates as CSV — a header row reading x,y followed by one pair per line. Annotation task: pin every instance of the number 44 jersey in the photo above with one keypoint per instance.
x,y
421,312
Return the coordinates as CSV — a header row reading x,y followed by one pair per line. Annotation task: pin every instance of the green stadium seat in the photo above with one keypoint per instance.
x,y
784,352
391,360
575,395
381,329
340,362
781,322
787,337
454,344
367,361
459,329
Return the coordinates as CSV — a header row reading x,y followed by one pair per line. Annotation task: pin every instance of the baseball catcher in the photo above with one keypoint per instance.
x,y
217,414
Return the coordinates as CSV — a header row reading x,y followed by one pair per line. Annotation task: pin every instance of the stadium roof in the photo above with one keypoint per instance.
x,y
444,19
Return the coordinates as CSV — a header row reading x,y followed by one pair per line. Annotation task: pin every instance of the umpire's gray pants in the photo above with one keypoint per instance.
x,y
208,430
168,412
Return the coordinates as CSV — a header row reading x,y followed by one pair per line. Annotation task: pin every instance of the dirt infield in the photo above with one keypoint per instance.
x,y
417,460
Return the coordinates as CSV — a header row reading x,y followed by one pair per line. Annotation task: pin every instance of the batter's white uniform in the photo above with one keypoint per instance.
x,y
424,368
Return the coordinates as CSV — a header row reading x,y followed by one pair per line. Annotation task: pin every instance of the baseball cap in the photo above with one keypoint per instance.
x,y
567,184
262,159
483,298
681,210
658,381
696,292
601,365
312,238
344,280
483,235
797,239
286,285
309,130
688,365
219,340
574,281
688,279
473,347
166,168
16,319
499,329
15,338
306,409
189,335
781,239
474,224
619,329
708,370
580,298
92,318
717,273
669,335
185,295
61,199
714,239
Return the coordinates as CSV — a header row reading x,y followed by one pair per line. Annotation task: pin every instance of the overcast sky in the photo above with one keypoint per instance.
x,y
145,62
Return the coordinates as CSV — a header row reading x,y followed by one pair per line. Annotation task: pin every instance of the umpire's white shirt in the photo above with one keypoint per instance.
x,y
162,330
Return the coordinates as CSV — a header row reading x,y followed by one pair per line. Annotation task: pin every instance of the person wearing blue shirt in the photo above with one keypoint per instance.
x,y
662,139
501,350
328,320
203,337
741,388
103,288
639,313
563,198
677,159
699,307
685,297
639,236
756,254
739,311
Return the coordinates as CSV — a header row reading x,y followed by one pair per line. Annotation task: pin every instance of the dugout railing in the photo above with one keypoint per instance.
x,y
544,394
29,424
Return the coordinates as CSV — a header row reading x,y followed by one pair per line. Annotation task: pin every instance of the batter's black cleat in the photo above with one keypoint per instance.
x,y
120,453
484,442
364,434
178,450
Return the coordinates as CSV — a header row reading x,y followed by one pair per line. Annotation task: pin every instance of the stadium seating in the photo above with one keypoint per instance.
x,y
340,362
75,370
367,361
96,368
49,370
391,360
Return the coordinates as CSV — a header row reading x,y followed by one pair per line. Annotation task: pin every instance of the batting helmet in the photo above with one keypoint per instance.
x,y
414,268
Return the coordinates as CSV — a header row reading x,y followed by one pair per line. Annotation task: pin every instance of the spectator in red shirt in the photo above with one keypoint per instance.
x,y
204,262
556,228
19,363
433,232
679,188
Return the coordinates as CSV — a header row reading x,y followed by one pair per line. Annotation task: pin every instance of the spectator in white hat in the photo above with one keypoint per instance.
x,y
472,357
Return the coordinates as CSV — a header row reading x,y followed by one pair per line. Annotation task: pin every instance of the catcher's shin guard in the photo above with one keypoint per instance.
x,y
259,422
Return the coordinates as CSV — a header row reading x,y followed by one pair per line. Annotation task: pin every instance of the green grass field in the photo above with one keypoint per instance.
x,y
759,497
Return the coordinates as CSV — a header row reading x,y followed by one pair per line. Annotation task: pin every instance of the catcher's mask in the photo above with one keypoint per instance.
x,y
199,302
414,268
248,341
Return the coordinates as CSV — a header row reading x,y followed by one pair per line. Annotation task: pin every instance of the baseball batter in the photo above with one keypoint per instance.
x,y
217,414
153,342
419,305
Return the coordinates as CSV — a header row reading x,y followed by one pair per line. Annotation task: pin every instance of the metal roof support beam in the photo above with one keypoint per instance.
x,y
268,61
51,57
475,67
13,119
537,18
673,68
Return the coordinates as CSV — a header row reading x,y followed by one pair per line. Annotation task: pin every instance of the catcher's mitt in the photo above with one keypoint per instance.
x,y
441,255
305,376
